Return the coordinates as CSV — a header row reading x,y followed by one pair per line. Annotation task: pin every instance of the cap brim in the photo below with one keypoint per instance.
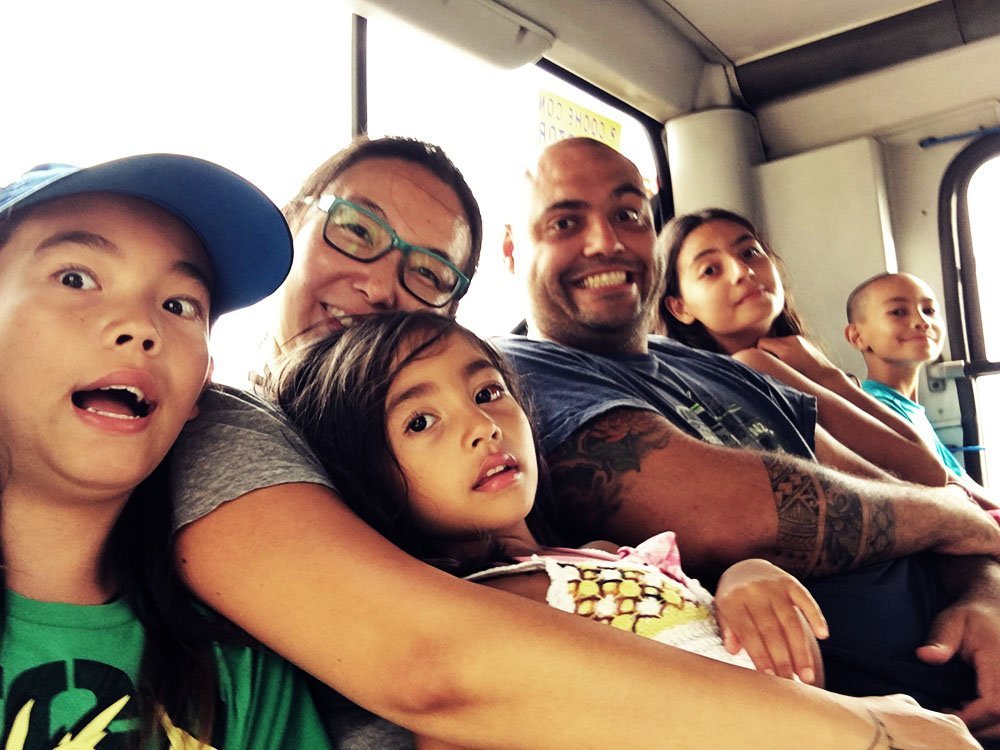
x,y
244,233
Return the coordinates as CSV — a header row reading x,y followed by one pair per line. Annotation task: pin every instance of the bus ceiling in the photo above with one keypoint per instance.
x,y
704,52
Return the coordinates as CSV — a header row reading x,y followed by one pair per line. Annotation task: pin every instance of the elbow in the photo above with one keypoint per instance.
x,y
428,690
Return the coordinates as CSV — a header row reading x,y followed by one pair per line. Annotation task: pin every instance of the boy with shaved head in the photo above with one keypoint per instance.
x,y
895,321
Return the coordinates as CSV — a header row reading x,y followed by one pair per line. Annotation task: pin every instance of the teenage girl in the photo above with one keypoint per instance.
x,y
725,293
421,427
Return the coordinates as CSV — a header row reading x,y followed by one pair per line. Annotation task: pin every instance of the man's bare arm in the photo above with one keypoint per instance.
x,y
854,418
630,473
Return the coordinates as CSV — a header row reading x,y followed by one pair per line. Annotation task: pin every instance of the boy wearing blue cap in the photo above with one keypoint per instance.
x,y
109,278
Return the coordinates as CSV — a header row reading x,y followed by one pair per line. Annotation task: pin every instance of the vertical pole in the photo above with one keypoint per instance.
x,y
359,76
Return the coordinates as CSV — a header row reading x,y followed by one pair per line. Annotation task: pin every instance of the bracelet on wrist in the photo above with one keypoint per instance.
x,y
881,733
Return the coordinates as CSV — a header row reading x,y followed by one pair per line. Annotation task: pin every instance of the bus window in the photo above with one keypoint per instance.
x,y
984,220
263,91
492,122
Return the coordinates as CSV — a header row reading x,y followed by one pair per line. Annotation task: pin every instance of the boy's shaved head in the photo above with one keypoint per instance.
x,y
858,296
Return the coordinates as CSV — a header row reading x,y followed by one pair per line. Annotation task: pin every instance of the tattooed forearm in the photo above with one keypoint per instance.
x,y
823,526
798,503
587,469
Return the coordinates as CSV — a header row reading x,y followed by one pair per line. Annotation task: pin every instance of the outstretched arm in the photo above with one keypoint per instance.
x,y
484,668
631,474
853,417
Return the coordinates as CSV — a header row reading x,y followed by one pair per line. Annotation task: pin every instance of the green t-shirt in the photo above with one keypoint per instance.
x,y
66,669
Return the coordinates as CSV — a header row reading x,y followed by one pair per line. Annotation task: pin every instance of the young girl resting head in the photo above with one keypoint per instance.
x,y
422,429
725,287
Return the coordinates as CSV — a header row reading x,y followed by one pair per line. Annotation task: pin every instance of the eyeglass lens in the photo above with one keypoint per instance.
x,y
360,236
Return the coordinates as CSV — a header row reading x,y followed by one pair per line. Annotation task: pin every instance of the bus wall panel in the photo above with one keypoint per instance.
x,y
825,213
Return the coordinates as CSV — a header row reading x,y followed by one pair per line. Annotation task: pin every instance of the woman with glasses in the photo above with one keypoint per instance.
x,y
384,224
264,538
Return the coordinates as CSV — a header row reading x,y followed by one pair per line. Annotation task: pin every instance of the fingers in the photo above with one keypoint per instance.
x,y
777,639
774,347
802,599
943,640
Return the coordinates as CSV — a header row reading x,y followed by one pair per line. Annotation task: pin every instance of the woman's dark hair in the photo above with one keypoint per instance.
x,y
335,390
694,334
427,155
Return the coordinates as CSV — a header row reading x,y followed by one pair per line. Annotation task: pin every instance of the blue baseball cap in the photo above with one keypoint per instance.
x,y
244,233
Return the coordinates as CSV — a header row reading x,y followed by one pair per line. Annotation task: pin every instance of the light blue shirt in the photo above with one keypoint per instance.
x,y
916,415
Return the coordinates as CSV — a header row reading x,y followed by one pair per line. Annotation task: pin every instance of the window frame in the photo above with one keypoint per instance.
x,y
663,202
961,286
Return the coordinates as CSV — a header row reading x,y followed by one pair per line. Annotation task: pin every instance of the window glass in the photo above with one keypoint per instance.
x,y
492,123
266,91
263,89
984,219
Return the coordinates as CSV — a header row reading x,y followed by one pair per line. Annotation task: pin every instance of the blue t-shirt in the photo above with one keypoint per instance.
x,y
877,615
707,395
916,415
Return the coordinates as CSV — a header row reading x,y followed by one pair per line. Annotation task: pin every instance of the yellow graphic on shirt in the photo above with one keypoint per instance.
x,y
179,739
96,730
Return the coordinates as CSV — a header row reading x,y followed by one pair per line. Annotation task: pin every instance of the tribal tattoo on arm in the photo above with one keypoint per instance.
x,y
823,526
586,469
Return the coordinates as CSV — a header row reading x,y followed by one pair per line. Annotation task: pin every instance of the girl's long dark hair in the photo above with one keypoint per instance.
x,y
695,334
335,389
178,673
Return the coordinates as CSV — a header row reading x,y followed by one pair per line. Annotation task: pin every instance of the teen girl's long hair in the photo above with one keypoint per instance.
x,y
335,389
694,334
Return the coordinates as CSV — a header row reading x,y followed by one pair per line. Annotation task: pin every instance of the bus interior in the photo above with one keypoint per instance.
x,y
861,136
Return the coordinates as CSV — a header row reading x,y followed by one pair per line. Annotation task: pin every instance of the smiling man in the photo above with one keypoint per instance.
x,y
594,272
643,434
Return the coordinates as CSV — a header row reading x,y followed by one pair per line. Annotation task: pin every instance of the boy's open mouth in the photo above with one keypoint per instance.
x,y
117,401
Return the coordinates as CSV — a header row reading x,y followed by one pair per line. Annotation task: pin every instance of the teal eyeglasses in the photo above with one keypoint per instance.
x,y
362,236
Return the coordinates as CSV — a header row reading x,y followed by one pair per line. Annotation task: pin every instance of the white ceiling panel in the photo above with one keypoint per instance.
x,y
742,33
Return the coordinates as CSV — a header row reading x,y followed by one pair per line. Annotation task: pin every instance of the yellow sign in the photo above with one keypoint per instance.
x,y
560,118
